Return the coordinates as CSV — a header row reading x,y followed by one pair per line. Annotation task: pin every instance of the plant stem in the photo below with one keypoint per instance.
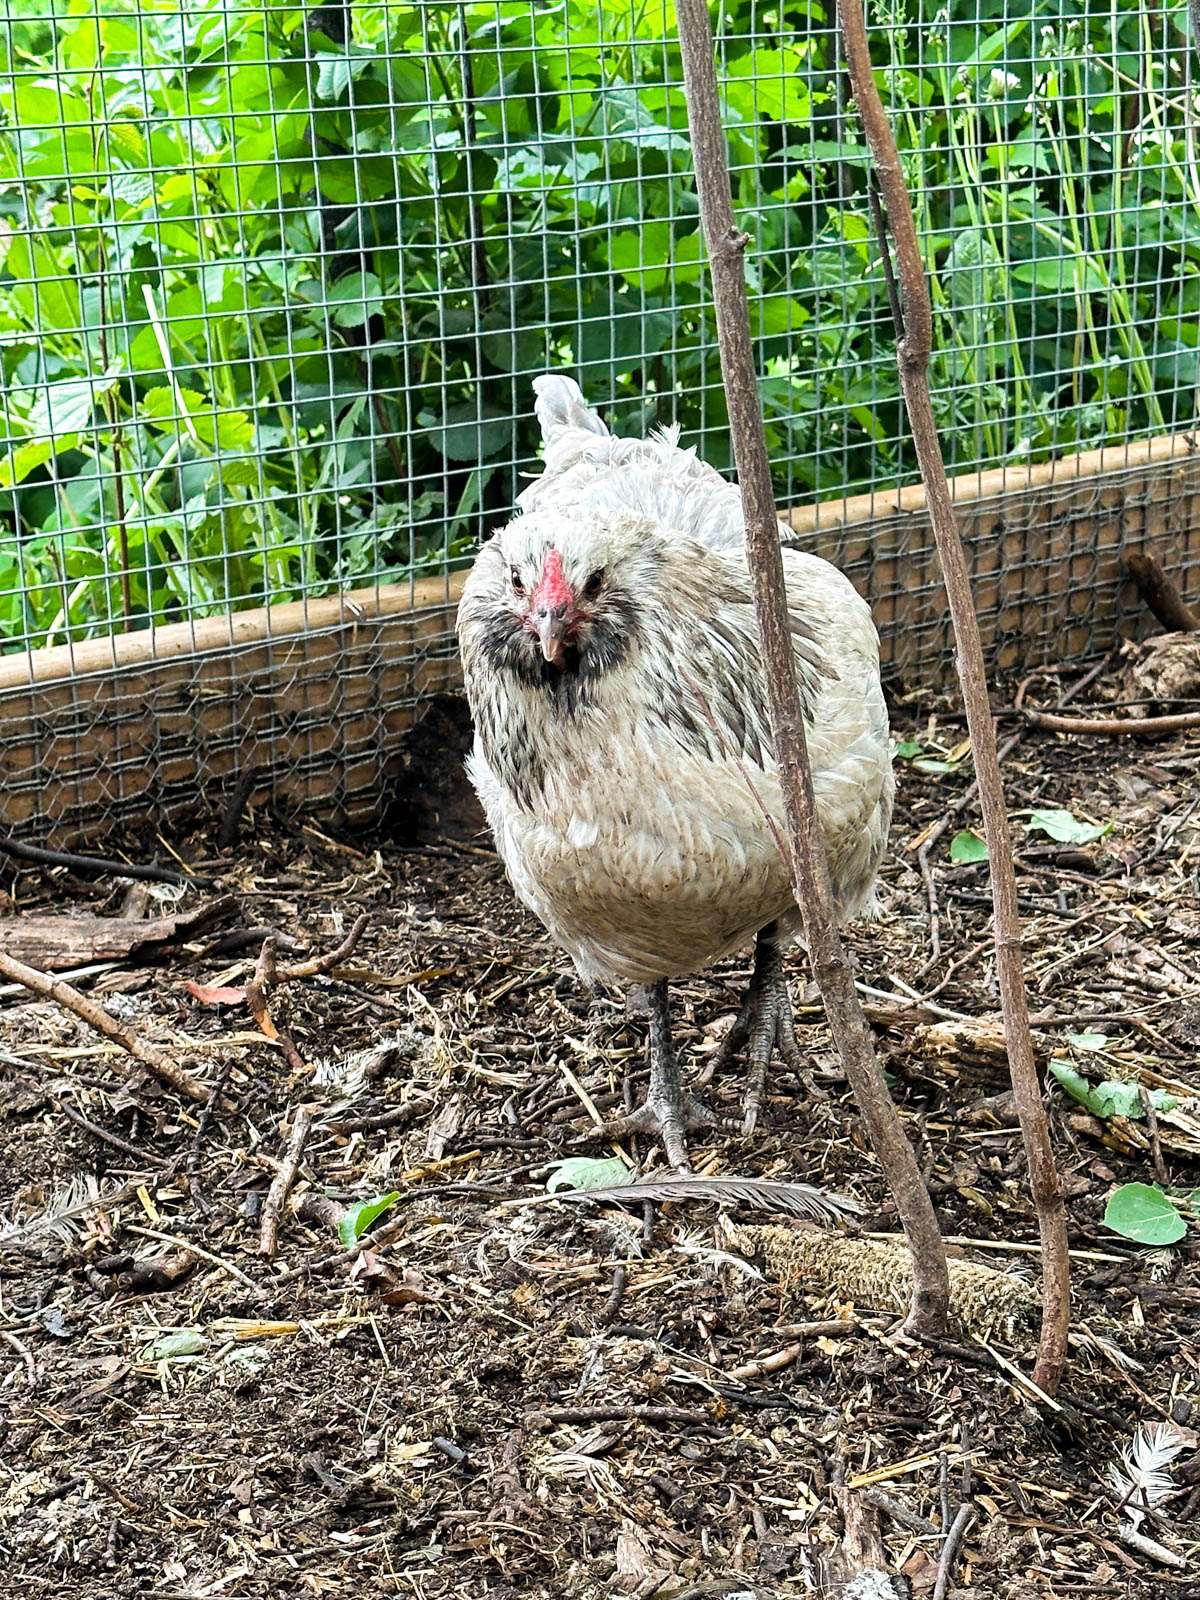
x,y
913,351
809,868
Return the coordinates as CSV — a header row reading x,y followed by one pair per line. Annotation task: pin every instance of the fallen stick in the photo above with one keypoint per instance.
x,y
1160,593
96,1017
1147,727
282,1182
99,864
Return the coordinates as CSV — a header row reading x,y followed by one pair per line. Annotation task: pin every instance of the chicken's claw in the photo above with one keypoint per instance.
x,y
764,1024
668,1117
669,1109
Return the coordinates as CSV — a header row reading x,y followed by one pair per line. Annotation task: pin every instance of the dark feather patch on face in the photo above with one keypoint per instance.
x,y
605,640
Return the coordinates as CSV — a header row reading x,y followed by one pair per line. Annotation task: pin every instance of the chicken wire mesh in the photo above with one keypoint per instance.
x,y
276,282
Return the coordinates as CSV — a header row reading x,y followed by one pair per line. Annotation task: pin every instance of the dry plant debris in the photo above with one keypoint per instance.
x,y
555,1401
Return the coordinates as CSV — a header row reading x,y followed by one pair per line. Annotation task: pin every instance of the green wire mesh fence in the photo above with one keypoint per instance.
x,y
275,281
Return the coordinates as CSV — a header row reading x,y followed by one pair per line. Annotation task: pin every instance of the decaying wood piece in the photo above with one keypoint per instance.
x,y
1160,593
96,1017
1159,673
914,346
876,1274
807,862
56,942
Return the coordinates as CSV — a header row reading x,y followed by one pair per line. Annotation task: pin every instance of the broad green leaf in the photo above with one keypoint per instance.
x,y
354,298
907,749
1087,1041
26,458
936,764
583,1172
357,1219
337,72
469,432
1143,1213
66,407
1112,1097
183,1342
968,846
161,406
1065,828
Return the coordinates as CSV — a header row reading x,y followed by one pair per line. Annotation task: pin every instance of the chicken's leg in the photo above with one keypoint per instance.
x,y
765,1023
669,1109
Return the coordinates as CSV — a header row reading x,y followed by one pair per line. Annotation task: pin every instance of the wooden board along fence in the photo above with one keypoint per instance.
x,y
308,701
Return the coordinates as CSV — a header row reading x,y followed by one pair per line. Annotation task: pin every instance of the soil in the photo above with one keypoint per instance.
x,y
560,1399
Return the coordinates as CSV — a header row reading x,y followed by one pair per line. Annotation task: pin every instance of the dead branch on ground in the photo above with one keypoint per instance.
x,y
96,1017
282,1182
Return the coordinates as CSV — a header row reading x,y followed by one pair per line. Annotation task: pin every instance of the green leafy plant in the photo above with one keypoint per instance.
x,y
271,295
1143,1213
1112,1097
356,1219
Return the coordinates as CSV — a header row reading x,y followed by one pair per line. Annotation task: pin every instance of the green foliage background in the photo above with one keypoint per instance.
x,y
274,282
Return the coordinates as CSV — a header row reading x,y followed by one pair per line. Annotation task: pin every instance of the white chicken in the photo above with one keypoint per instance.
x,y
622,745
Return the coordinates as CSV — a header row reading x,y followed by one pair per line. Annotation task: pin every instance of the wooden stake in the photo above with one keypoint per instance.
x,y
913,350
810,872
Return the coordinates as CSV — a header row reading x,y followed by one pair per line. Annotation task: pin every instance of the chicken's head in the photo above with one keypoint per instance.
x,y
564,596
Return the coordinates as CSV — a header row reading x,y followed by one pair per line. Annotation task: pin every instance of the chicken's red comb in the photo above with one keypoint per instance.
x,y
553,590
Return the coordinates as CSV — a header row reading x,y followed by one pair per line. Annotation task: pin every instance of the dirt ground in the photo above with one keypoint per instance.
x,y
560,1399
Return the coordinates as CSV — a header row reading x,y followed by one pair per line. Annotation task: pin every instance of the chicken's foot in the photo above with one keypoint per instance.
x,y
669,1109
764,1023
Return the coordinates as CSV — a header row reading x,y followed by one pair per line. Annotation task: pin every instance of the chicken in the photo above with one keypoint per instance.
x,y
622,744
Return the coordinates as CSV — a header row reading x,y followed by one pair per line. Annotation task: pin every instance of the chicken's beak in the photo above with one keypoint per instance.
x,y
552,625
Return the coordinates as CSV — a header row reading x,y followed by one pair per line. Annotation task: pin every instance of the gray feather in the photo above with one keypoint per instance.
x,y
764,1194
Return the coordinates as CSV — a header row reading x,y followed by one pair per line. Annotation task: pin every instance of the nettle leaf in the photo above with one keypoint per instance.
x,y
585,1172
354,298
1066,828
66,407
1143,1213
161,407
469,432
337,72
27,458
967,846
357,1219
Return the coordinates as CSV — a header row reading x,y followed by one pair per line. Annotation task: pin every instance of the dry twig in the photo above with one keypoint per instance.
x,y
913,351
96,1017
282,1182
808,865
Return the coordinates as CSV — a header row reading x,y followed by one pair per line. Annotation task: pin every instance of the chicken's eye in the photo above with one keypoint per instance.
x,y
594,585
515,579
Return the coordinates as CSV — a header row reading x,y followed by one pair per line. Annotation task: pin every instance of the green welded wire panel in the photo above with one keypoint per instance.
x,y
274,282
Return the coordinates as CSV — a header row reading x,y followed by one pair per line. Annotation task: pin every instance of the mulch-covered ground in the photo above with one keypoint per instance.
x,y
560,1399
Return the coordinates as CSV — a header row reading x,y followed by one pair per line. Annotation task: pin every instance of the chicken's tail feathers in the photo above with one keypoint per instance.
x,y
561,408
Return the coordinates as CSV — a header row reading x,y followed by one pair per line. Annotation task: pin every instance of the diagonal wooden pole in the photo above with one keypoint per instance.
x,y
810,872
915,332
